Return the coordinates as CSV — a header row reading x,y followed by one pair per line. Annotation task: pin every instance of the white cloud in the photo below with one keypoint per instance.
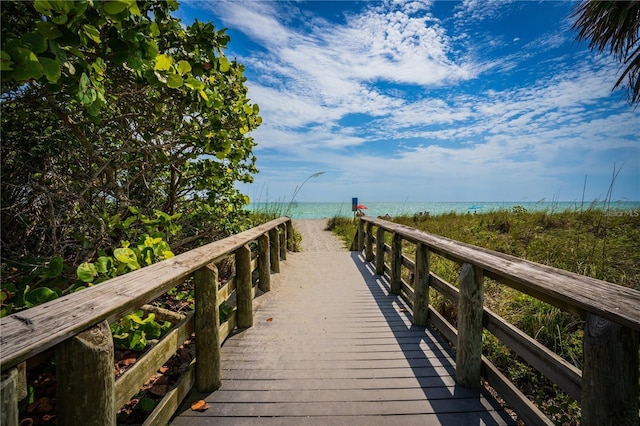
x,y
397,64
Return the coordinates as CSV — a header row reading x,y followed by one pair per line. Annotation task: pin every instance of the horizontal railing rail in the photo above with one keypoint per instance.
x,y
75,328
607,387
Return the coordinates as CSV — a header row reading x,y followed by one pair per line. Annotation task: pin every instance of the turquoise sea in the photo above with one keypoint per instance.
x,y
302,210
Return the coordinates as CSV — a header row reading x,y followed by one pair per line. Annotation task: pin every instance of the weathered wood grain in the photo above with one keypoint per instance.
x,y
274,249
85,380
469,346
264,263
380,250
334,349
421,286
207,328
609,374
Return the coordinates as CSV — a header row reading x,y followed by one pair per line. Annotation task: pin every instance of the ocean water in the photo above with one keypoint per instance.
x,y
343,209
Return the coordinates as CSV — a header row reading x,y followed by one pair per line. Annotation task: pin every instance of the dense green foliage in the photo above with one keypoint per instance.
x,y
592,242
117,121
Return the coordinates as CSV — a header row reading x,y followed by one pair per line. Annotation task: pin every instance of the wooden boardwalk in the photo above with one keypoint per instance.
x,y
330,345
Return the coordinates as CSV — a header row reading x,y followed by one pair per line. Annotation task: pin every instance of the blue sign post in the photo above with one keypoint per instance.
x,y
354,204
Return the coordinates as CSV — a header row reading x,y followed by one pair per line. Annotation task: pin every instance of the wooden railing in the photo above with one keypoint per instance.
x,y
607,386
75,329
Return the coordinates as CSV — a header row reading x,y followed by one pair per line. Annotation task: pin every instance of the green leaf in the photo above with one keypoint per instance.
x,y
28,65
104,264
92,32
51,69
49,30
36,41
194,83
223,63
174,81
40,295
54,269
124,255
114,7
184,67
87,272
163,62
5,61
147,404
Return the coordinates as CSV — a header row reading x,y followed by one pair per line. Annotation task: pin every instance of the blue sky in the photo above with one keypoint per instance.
x,y
479,100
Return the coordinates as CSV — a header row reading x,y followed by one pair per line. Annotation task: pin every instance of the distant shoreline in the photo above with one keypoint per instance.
x,y
320,210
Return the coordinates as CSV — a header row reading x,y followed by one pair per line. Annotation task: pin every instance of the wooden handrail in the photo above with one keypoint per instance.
x,y
608,385
27,333
77,326
569,291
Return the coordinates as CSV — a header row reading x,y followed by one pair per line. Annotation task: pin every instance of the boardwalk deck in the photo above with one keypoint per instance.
x,y
330,345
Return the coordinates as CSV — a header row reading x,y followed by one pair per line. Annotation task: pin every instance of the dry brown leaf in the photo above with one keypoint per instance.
x,y
200,405
159,390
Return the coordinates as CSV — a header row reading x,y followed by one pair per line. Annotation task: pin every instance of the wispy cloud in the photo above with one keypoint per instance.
x,y
392,92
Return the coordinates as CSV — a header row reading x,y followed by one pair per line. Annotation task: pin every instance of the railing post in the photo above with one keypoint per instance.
x,y
609,373
243,287
283,243
207,329
274,246
421,286
86,383
264,264
368,242
396,264
290,235
360,235
9,396
469,348
380,251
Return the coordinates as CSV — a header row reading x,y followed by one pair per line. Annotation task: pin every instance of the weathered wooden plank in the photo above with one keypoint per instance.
x,y
559,371
421,286
470,310
561,288
396,264
368,242
610,373
244,288
334,395
170,403
347,408
380,250
547,362
28,333
207,329
526,409
130,382
486,418
264,260
9,412
85,381
274,249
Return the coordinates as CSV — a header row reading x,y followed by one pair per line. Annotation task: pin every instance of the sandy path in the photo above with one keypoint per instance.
x,y
315,238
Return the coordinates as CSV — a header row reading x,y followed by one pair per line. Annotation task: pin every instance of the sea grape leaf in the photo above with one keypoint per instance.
x,y
87,272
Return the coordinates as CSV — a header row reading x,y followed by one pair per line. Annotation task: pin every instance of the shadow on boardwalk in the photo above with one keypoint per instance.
x,y
331,346
427,353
